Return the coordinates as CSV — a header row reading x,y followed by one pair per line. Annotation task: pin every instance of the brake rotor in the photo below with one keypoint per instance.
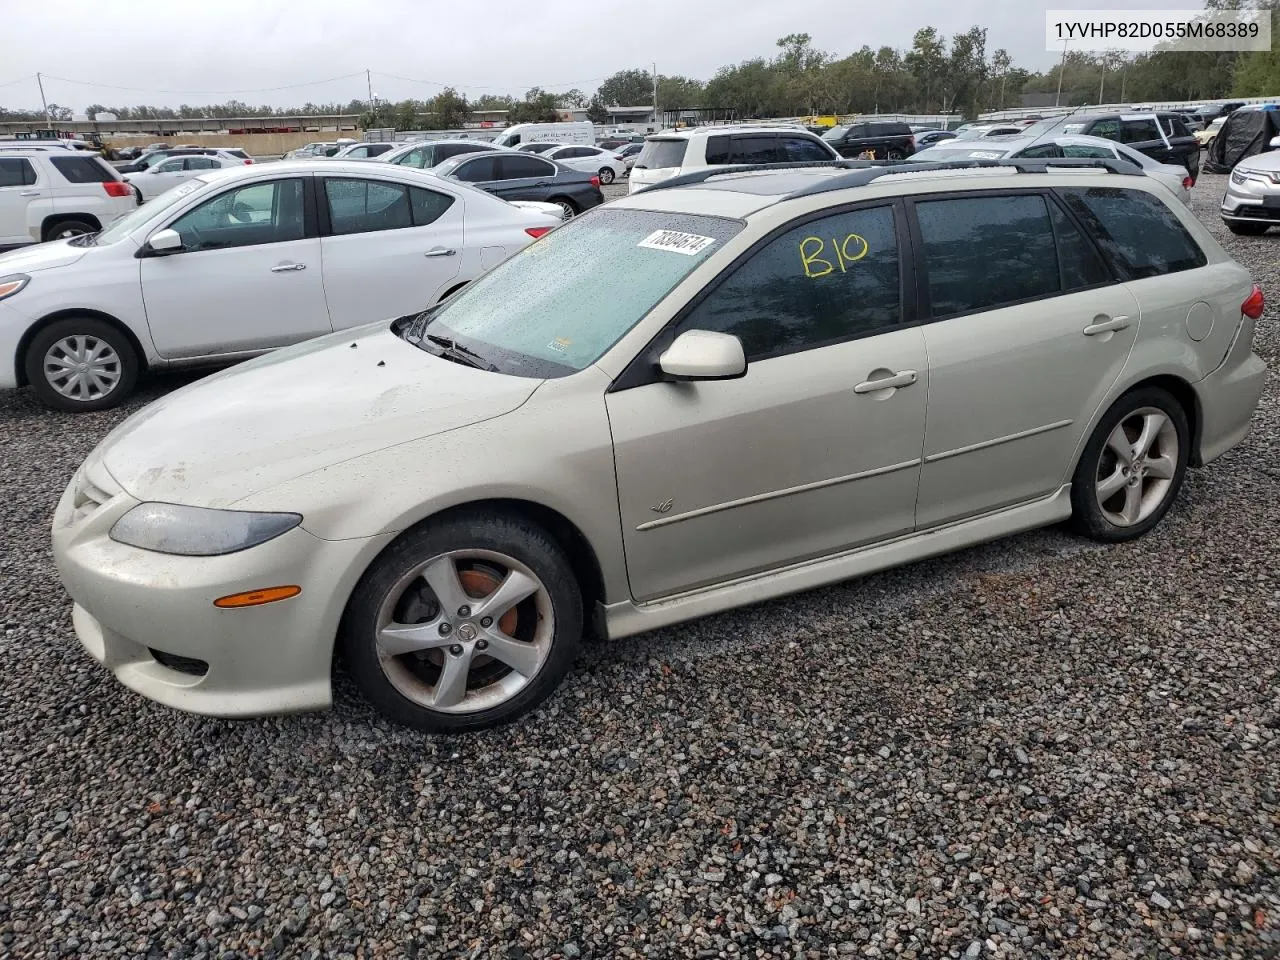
x,y
479,582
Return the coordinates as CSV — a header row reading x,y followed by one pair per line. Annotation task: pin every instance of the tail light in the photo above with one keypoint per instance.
x,y
247,162
537,232
117,188
1253,304
595,181
618,156
1188,182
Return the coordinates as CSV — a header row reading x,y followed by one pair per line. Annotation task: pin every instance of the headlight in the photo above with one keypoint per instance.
x,y
198,531
12,284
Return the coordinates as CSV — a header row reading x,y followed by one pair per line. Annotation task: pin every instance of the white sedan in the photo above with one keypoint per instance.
x,y
606,164
238,262
153,181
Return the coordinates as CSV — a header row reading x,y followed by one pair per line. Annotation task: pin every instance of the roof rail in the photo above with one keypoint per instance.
x,y
862,172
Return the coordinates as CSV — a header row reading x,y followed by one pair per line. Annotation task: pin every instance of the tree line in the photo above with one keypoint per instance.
x,y
938,74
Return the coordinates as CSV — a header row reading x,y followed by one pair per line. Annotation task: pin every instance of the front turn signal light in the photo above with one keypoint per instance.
x,y
256,598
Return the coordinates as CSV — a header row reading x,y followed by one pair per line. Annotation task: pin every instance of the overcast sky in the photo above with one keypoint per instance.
x,y
172,51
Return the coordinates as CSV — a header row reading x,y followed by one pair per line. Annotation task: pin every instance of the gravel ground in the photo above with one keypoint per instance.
x,y
1037,748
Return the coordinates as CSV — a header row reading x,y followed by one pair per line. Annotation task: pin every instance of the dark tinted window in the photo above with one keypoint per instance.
x,y
1040,150
828,280
1175,127
363,206
1106,128
445,151
718,150
980,252
200,163
16,172
859,130
754,149
802,150
1136,230
375,149
83,169
1078,262
428,205
515,167
573,153
478,170
664,153
1138,131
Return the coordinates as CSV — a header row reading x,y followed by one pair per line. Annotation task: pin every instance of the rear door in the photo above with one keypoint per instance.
x,y
388,248
1027,330
522,176
18,190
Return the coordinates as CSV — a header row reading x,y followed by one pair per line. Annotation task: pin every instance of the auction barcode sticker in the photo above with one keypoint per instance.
x,y
689,244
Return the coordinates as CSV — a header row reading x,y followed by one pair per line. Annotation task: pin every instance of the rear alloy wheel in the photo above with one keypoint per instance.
x,y
566,207
606,175
466,623
81,364
1132,467
66,229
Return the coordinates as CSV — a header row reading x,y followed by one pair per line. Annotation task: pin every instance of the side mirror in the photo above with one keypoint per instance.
x,y
704,355
165,241
1275,143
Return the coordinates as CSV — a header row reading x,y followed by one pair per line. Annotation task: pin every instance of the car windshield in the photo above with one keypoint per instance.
x,y
835,133
947,151
557,306
138,216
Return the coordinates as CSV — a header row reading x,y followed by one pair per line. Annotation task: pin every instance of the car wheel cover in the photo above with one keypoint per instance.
x,y
1136,467
464,631
566,208
82,367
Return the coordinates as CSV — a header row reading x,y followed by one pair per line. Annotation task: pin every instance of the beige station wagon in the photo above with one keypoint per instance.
x,y
723,389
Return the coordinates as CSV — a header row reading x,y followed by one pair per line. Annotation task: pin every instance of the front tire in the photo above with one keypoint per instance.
x,y
1245,228
465,623
1132,468
567,207
81,364
606,175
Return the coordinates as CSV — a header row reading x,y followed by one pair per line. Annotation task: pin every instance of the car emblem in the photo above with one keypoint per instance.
x,y
663,507
466,632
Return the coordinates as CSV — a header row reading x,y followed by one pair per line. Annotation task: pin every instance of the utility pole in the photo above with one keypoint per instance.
x,y
1102,80
40,83
655,97
1062,68
368,78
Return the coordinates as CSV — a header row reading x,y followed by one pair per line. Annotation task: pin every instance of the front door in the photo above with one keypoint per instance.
x,y
391,249
815,450
247,277
1030,330
18,191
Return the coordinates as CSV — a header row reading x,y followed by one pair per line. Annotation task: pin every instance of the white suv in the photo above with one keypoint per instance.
x,y
53,194
682,151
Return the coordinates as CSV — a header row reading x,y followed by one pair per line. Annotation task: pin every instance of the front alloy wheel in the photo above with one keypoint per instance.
x,y
466,622
606,175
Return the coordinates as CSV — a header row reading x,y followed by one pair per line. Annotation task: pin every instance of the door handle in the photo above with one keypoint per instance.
x,y
1106,326
29,193
440,252
904,378
286,267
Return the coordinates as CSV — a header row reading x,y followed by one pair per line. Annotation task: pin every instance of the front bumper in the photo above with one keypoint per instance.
x,y
12,327
1253,200
274,658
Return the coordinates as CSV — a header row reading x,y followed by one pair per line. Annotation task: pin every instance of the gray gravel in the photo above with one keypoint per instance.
x,y
1037,748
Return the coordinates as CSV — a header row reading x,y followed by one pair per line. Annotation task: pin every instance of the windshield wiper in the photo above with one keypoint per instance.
x,y
452,350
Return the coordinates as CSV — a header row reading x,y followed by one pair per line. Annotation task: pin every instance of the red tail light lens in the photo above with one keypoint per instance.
x,y
247,162
1188,181
537,232
1253,304
595,181
117,188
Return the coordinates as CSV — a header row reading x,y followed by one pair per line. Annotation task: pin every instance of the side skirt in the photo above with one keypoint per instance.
x,y
627,618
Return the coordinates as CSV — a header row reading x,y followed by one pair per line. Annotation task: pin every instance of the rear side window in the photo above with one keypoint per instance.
x,y
802,150
377,149
16,172
1140,235
1175,126
1079,265
1138,131
364,206
478,170
829,280
1103,128
515,167
984,251
83,169
744,149
656,154
428,206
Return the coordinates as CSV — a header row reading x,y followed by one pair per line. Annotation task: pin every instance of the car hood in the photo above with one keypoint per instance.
x,y
41,256
297,410
1268,162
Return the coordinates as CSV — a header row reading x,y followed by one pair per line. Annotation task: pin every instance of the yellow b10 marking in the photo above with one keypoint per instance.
x,y
811,255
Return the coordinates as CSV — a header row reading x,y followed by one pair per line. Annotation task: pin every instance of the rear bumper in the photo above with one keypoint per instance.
x,y
1228,397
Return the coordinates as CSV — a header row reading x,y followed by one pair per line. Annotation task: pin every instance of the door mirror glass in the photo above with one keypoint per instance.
x,y
1274,143
704,355
165,241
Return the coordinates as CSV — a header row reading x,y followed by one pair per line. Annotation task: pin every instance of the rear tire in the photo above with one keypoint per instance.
x,y
565,204
1245,228
1132,467
606,175
447,667
66,229
81,364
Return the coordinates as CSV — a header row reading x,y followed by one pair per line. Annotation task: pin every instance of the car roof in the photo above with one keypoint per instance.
x,y
729,128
